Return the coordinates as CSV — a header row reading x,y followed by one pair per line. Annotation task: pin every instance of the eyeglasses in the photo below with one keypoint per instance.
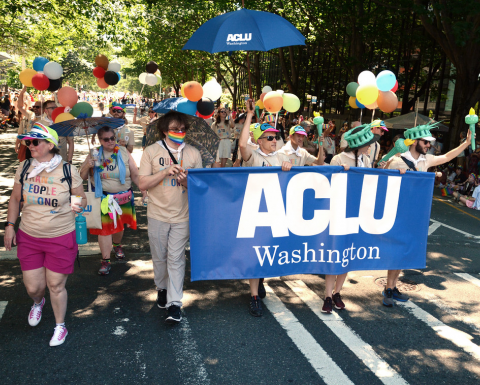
x,y
425,141
35,142
50,108
111,139
36,107
270,138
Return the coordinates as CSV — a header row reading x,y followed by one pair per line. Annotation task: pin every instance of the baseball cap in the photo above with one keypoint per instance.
x,y
259,129
298,130
378,123
118,108
39,131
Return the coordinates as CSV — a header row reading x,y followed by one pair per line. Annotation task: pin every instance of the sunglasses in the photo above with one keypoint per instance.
x,y
425,141
36,107
270,138
223,112
111,139
35,142
117,111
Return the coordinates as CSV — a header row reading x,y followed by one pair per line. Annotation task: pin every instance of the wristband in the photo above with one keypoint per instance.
x,y
9,224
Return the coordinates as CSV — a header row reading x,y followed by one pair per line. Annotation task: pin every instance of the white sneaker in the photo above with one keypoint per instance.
x,y
35,315
59,336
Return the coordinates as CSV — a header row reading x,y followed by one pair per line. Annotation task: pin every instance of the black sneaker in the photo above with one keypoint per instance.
x,y
327,305
261,289
174,314
388,298
162,298
256,307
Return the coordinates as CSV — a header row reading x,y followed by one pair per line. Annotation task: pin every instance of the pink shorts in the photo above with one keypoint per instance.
x,y
469,203
56,254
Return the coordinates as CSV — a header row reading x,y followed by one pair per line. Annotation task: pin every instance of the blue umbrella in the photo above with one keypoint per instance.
x,y
88,126
166,105
244,30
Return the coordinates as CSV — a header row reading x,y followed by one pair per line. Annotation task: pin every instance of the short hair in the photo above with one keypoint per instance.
x,y
45,105
55,150
172,116
104,130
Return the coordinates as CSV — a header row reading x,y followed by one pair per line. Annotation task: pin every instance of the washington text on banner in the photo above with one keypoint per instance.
x,y
264,222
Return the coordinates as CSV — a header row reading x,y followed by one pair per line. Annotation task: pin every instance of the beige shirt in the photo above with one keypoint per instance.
x,y
423,165
121,133
144,122
110,175
168,201
237,130
223,130
258,160
304,158
373,151
343,142
343,158
46,209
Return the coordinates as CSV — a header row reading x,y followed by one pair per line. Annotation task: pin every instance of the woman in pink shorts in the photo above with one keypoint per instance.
x,y
46,240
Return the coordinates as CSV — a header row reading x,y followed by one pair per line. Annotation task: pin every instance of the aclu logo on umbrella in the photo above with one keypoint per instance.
x,y
238,38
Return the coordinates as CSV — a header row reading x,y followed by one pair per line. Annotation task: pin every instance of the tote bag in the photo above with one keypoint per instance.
x,y
92,212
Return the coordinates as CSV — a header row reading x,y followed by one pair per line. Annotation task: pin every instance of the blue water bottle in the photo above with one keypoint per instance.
x,y
81,228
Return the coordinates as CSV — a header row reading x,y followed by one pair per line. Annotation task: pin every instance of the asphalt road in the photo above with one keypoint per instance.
x,y
117,335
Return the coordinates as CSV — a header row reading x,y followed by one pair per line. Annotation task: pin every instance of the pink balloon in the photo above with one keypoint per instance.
x,y
262,96
387,101
67,96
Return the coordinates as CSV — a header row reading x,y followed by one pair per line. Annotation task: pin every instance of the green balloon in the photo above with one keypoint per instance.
x,y
82,108
352,89
291,102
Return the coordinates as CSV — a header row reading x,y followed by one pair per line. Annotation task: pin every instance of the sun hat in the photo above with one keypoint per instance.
x,y
40,131
259,129
359,137
298,130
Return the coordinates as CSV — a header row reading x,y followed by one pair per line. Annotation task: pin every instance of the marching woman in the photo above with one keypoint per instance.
x,y
265,156
46,239
112,180
355,155
223,129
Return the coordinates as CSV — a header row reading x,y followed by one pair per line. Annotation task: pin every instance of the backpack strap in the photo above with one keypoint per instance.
x,y
26,166
67,175
409,163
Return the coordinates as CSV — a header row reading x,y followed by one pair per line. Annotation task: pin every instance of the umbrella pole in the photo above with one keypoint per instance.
x,y
249,77
361,111
88,139
373,114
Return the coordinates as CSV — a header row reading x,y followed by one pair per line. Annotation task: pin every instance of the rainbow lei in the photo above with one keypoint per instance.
x,y
113,157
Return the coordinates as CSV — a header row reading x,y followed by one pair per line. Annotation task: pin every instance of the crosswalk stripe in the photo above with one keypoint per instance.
x,y
433,227
457,337
3,305
326,368
469,278
359,347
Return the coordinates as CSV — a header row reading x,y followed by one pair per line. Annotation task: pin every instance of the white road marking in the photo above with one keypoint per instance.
x,y
360,348
433,227
469,278
3,306
190,362
326,368
454,313
457,337
455,229
119,331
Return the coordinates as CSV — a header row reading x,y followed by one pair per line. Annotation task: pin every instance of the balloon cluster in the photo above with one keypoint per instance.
x,y
152,76
374,92
274,101
198,100
45,75
107,72
68,98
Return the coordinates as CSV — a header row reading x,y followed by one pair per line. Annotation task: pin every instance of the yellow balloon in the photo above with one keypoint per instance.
x,y
182,91
64,116
367,94
260,105
26,77
351,102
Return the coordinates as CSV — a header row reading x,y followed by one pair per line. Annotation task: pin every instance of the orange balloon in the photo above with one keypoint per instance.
x,y
67,96
273,102
351,102
387,101
101,83
102,61
193,91
372,106
64,116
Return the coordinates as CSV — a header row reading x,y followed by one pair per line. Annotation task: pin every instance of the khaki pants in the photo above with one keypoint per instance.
x,y
167,245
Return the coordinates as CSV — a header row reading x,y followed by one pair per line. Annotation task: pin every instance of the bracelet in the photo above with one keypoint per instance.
x,y
10,224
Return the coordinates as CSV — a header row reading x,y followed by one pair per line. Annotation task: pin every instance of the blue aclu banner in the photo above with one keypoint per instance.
x,y
264,222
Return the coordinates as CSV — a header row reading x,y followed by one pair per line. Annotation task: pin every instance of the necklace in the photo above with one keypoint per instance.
x,y
113,157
